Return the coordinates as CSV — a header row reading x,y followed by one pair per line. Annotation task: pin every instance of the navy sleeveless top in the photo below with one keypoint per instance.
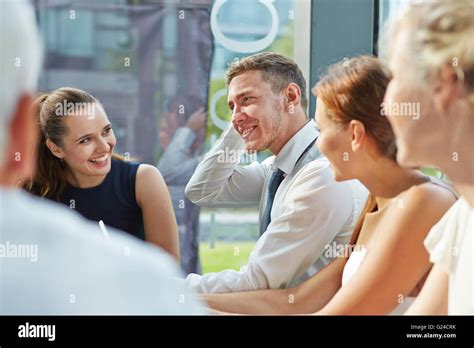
x,y
113,201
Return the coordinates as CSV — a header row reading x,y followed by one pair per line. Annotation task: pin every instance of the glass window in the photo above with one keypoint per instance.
x,y
389,8
153,65
229,234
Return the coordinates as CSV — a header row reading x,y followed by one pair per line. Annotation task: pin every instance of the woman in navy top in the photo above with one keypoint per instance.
x,y
77,167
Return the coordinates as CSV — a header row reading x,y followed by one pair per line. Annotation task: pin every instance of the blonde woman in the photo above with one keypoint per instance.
x,y
388,263
431,54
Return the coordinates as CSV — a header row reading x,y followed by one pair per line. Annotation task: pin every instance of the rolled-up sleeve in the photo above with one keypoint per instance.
x,y
218,180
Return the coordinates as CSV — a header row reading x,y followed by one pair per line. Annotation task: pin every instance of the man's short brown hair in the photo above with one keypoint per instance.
x,y
276,69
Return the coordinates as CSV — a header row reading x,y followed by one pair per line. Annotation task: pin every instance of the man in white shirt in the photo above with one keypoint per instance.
x,y
52,261
303,211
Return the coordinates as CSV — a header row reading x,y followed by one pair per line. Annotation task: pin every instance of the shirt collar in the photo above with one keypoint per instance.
x,y
294,148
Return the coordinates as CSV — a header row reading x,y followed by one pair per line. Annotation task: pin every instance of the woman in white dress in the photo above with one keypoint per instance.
x,y
435,70
389,262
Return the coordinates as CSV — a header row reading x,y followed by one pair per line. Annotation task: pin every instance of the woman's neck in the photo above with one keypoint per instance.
x,y
385,179
460,169
457,161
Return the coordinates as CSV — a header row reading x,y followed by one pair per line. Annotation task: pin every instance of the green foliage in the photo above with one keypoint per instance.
x,y
225,255
432,172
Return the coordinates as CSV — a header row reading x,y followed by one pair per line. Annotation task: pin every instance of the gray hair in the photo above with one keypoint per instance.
x,y
20,60
441,32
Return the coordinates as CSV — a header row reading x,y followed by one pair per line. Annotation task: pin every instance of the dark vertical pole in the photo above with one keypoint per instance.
x,y
376,21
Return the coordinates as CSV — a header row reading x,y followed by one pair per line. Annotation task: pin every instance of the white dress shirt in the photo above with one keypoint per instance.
x,y
53,262
310,211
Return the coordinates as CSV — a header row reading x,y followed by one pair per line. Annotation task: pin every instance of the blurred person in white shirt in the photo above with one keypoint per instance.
x,y
52,261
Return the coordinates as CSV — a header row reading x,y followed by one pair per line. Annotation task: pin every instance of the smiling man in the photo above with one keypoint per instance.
x,y
302,209
53,261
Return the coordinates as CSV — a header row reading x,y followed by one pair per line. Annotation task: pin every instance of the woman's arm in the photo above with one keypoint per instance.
x,y
307,297
433,298
398,259
158,214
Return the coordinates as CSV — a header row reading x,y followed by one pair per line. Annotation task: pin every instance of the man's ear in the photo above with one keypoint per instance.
x,y
358,134
448,88
55,149
292,97
23,140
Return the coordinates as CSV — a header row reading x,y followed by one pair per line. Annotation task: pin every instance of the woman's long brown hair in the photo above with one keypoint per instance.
x,y
354,89
50,175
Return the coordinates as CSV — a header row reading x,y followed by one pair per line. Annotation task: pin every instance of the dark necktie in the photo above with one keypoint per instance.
x,y
274,183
